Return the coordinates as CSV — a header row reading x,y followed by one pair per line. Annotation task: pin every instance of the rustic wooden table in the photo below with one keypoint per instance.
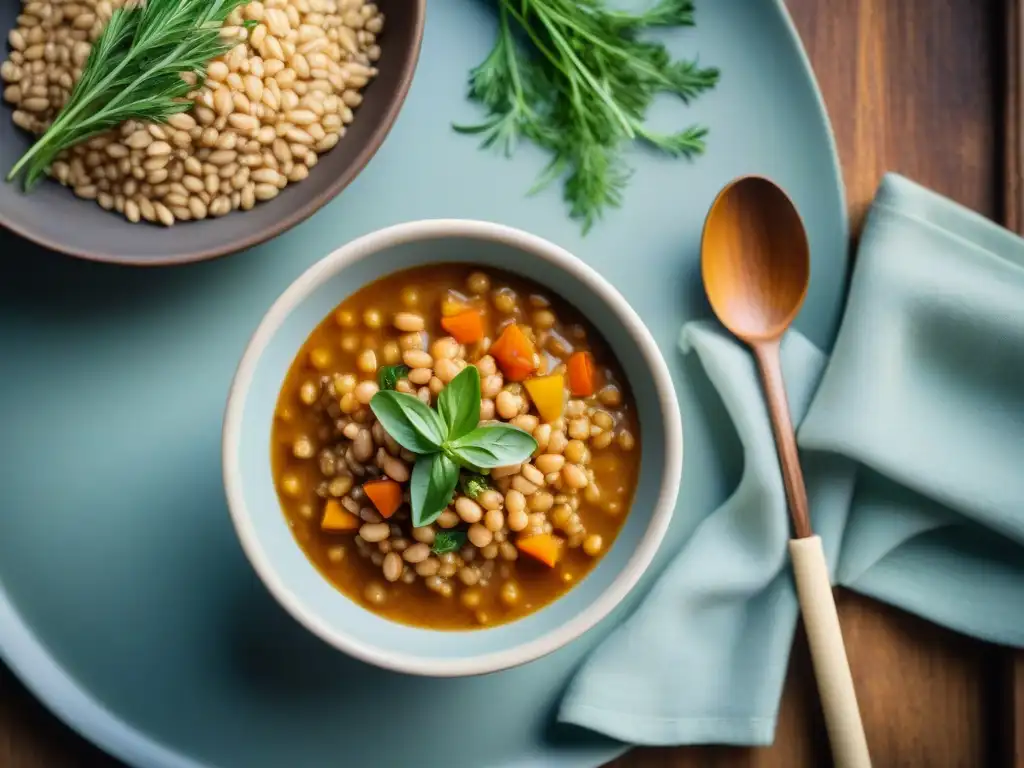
x,y
914,86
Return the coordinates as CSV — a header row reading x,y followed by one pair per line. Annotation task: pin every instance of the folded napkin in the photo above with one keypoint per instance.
x,y
912,443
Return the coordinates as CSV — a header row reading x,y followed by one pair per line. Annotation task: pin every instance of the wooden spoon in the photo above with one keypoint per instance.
x,y
756,265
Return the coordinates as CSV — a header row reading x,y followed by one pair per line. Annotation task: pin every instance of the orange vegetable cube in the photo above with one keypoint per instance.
x,y
543,547
337,519
466,327
582,378
514,353
386,496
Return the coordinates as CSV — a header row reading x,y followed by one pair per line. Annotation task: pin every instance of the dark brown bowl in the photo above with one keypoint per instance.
x,y
53,217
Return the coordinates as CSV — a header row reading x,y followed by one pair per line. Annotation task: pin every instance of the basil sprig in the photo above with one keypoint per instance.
x,y
447,439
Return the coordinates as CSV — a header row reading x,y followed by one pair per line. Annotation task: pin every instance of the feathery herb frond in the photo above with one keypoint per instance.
x,y
573,77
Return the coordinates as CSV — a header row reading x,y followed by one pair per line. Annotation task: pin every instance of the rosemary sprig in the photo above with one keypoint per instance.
x,y
574,77
134,72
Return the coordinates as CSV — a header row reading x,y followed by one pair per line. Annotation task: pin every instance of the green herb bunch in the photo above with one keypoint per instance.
x,y
574,77
446,440
134,72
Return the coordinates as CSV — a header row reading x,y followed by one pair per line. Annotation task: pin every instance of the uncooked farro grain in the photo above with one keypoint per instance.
x,y
289,85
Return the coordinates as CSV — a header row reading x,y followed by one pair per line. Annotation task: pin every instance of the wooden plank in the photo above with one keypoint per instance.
x,y
1016,745
1013,217
30,737
1013,100
1013,704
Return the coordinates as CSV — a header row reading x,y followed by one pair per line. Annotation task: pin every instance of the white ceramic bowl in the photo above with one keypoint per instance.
x,y
267,539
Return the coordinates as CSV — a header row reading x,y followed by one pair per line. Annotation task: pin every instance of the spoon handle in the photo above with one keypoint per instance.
x,y
814,590
769,362
828,655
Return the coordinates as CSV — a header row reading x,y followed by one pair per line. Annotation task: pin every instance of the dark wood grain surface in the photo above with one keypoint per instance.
x,y
914,86
1013,217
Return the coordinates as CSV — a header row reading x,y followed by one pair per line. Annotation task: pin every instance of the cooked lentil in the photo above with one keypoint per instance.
x,y
269,106
326,444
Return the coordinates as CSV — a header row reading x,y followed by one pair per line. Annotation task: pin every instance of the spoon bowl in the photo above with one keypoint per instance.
x,y
755,259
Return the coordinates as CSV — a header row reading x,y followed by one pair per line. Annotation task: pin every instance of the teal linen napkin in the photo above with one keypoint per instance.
x,y
912,443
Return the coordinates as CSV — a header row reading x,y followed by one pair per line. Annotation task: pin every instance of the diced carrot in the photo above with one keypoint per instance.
x,y
514,353
543,547
548,395
337,519
581,374
386,496
466,327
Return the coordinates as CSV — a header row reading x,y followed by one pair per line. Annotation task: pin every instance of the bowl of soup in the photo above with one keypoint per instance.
x,y
451,447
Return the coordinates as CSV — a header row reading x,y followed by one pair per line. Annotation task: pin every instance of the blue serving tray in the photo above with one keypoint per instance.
x,y
125,602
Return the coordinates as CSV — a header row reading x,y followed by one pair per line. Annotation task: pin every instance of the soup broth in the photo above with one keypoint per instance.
x,y
512,539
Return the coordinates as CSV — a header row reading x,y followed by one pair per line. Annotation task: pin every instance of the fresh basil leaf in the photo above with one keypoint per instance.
x,y
448,541
459,402
493,445
473,485
434,478
413,425
388,375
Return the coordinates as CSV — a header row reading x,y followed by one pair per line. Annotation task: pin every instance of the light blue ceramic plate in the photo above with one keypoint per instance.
x,y
125,601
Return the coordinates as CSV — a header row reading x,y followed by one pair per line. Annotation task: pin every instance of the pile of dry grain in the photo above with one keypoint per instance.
x,y
282,95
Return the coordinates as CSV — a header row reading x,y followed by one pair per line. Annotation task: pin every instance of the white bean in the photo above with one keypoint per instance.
x,y
396,469
574,476
374,532
549,462
420,376
365,390
507,405
479,536
392,566
415,358
417,553
468,509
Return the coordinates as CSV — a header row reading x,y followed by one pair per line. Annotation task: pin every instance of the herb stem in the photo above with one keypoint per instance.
x,y
510,59
614,50
531,33
581,68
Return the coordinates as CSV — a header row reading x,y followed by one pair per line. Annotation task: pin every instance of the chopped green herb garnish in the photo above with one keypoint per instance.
x,y
448,541
388,375
473,485
446,440
574,77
